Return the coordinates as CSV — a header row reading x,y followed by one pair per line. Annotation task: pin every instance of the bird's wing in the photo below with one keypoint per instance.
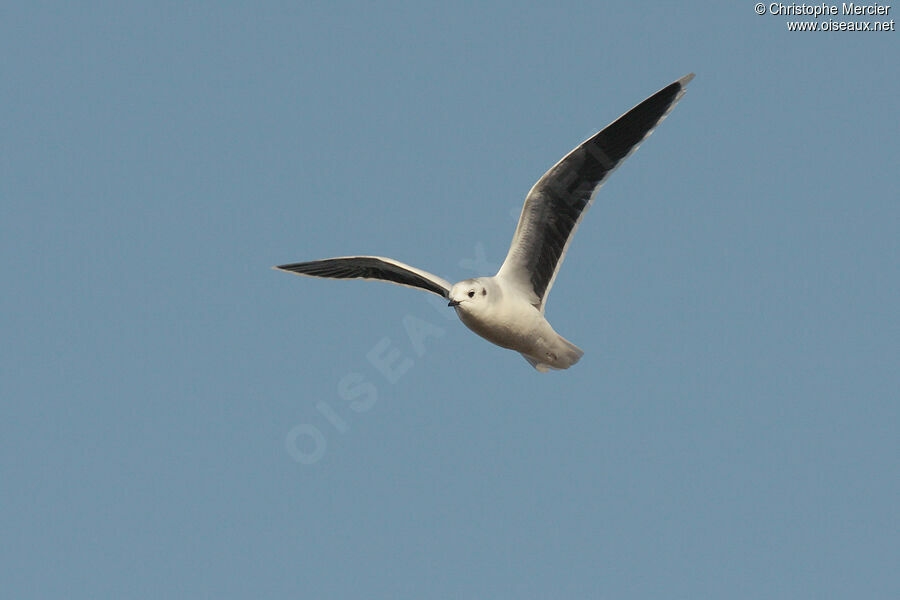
x,y
558,201
371,267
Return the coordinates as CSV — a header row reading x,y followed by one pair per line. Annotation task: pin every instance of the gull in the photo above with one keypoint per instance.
x,y
508,308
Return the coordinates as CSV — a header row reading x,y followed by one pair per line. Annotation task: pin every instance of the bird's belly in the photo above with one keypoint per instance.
x,y
522,334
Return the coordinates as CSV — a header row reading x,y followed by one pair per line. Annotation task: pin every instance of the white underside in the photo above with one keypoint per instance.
x,y
509,319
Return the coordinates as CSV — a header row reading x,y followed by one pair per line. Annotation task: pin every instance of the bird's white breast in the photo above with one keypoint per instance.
x,y
511,322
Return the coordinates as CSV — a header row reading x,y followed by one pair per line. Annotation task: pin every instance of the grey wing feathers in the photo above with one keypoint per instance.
x,y
558,201
370,267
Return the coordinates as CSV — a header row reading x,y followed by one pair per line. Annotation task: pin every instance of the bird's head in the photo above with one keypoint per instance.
x,y
469,295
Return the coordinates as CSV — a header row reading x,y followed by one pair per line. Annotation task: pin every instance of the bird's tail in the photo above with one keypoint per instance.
x,y
570,353
542,367
564,355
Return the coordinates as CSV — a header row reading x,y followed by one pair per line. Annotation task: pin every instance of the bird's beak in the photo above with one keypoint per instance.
x,y
454,303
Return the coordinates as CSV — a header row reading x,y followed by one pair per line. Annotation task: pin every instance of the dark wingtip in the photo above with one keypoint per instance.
x,y
284,268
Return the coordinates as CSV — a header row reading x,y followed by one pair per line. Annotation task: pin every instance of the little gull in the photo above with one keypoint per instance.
x,y
508,308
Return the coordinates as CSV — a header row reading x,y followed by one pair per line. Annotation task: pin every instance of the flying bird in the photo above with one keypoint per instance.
x,y
508,308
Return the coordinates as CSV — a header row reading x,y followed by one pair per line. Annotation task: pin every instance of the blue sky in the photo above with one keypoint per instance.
x,y
730,432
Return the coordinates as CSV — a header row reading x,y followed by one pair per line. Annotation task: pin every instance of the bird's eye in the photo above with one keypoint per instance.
x,y
483,292
471,293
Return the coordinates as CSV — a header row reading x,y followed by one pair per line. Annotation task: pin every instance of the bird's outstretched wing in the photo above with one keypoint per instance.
x,y
558,201
370,267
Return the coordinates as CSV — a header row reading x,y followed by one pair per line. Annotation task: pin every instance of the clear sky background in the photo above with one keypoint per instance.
x,y
731,431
